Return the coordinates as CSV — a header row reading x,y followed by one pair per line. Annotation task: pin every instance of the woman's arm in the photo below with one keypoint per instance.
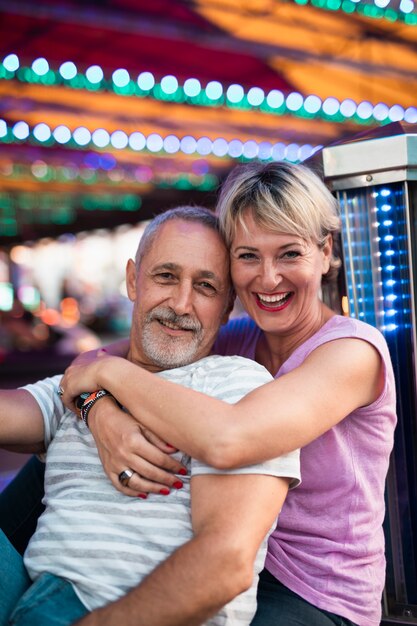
x,y
278,417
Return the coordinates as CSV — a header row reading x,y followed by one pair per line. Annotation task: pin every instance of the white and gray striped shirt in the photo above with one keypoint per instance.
x,y
104,542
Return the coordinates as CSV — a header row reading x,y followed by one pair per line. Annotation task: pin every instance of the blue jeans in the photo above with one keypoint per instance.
x,y
278,606
21,504
49,600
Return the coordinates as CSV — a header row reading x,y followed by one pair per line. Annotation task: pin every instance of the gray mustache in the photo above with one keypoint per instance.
x,y
168,315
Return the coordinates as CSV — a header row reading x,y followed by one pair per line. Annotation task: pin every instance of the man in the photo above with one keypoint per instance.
x,y
93,544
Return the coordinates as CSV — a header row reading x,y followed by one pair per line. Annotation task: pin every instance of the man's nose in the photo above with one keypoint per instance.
x,y
182,299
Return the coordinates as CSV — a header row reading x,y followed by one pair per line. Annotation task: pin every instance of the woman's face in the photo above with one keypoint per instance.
x,y
277,276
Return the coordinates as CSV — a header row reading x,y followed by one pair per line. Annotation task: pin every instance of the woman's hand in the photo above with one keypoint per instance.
x,y
122,444
80,377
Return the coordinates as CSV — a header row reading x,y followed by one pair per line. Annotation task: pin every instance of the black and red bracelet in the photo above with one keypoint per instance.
x,y
89,401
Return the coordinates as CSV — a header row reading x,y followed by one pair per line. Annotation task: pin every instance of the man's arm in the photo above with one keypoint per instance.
x,y
21,421
231,515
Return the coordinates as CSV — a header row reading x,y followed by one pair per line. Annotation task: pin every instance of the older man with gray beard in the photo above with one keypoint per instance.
x,y
186,556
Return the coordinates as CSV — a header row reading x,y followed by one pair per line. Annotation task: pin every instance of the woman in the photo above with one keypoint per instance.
x,y
333,396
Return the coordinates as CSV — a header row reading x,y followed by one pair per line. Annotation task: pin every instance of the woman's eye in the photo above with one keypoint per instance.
x,y
291,254
247,256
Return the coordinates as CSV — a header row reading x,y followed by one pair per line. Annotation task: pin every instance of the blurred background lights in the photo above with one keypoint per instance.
x,y
278,151
121,77
380,111
364,110
68,70
42,132
137,141
235,148
3,128
188,144
256,96
171,144
119,139
396,113
235,93
100,137
11,62
348,107
62,134
169,84
94,74
265,150
410,115
214,90
275,99
81,136
250,149
154,142
146,81
331,106
220,147
312,104
21,130
192,87
40,66
406,6
204,146
294,101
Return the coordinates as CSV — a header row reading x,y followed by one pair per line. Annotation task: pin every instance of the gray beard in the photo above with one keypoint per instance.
x,y
168,352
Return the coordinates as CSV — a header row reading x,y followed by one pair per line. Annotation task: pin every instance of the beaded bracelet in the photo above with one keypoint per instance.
x,y
89,401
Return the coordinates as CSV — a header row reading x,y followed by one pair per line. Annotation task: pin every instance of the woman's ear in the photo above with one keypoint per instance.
x,y
327,249
131,279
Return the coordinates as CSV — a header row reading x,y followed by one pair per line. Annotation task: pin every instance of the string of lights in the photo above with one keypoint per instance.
x,y
83,138
214,94
381,9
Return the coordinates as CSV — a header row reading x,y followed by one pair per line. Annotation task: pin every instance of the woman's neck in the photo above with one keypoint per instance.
x,y
273,349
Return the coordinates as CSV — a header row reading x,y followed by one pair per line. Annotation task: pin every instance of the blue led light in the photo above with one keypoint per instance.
x,y
312,104
214,90
388,237
192,87
235,148
11,62
81,136
256,96
21,130
94,74
169,84
62,134
154,142
121,77
385,207
137,141
220,147
40,66
294,101
386,223
275,99
171,144
68,70
235,93
146,81
42,132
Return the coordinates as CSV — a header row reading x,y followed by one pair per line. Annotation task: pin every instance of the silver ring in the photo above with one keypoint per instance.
x,y
60,391
125,476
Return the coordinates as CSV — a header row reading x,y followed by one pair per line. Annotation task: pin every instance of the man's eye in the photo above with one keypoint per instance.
x,y
207,286
165,276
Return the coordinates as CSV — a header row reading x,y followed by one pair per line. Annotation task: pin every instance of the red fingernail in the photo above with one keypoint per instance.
x,y
183,472
103,349
164,492
169,445
142,495
178,484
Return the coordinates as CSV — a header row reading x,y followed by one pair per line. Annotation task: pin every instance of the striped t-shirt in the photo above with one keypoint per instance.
x,y
104,542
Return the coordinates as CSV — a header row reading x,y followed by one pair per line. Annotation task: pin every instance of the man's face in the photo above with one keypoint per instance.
x,y
181,295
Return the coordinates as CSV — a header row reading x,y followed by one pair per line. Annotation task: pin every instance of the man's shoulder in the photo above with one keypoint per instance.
x,y
215,362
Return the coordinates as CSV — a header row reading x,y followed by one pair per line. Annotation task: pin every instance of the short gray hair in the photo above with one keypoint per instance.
x,y
282,197
197,214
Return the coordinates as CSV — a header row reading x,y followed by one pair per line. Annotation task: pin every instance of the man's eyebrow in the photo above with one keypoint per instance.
x,y
166,266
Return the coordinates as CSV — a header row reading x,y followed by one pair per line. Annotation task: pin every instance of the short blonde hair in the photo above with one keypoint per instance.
x,y
282,197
